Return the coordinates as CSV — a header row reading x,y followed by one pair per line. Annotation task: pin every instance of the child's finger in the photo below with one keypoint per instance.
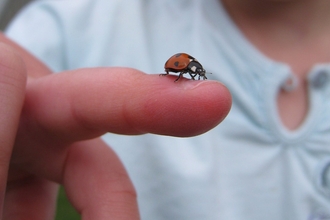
x,y
89,102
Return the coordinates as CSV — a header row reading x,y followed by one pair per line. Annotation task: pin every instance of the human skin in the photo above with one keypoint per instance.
x,y
59,118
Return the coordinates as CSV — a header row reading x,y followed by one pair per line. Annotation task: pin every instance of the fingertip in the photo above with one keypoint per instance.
x,y
213,92
209,104
220,92
181,108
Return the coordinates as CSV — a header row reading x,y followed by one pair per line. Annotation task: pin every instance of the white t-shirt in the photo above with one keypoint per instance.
x,y
250,167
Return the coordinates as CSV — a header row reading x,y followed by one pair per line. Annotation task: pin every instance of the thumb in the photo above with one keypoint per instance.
x,y
12,89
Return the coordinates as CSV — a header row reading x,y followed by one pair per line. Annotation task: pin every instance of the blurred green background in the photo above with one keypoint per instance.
x,y
64,209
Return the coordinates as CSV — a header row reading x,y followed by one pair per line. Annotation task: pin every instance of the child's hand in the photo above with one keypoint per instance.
x,y
64,113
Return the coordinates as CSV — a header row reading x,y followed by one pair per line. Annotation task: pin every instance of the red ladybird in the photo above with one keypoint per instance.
x,y
184,63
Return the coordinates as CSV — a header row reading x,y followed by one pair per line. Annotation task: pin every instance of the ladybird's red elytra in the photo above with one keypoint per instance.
x,y
184,63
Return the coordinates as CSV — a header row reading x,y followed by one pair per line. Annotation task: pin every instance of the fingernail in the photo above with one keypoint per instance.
x,y
193,84
189,84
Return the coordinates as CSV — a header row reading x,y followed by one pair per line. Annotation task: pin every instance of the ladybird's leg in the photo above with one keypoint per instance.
x,y
202,76
164,74
180,75
192,75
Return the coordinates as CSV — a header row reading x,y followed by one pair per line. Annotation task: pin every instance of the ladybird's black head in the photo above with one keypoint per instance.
x,y
201,71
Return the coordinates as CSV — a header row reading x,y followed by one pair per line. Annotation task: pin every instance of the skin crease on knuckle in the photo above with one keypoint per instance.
x,y
11,67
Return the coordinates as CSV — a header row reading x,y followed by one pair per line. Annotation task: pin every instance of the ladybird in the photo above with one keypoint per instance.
x,y
184,63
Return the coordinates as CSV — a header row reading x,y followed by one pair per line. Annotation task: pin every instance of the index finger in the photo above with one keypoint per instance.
x,y
86,103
